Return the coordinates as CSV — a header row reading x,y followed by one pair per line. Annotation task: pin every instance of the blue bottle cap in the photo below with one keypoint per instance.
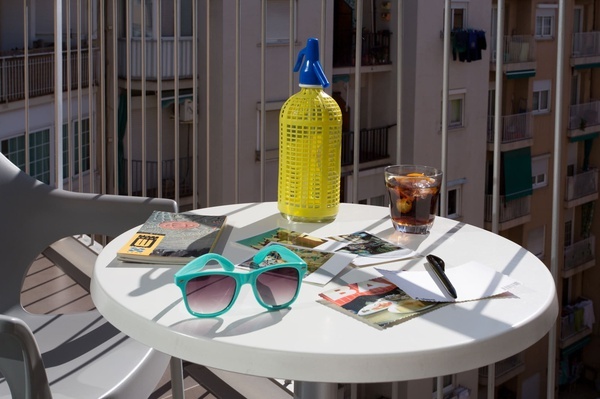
x,y
311,72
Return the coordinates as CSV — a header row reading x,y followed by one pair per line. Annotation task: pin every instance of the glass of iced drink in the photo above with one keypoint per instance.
x,y
414,192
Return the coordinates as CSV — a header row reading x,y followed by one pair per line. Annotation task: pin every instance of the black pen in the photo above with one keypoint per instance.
x,y
438,267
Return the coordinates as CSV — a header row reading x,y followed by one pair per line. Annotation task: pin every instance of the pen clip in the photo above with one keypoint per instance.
x,y
437,260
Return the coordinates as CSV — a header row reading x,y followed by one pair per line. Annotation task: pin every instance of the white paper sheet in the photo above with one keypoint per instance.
x,y
471,280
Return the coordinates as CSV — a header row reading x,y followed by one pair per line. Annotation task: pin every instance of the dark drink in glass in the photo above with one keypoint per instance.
x,y
414,192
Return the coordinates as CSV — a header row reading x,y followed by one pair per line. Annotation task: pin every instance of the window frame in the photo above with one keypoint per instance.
x,y
542,16
72,155
40,143
278,31
539,88
456,95
539,167
456,187
464,7
537,238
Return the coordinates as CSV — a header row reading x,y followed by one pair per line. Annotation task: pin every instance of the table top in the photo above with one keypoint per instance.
x,y
312,342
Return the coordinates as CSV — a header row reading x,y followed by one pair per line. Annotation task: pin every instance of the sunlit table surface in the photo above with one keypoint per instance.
x,y
314,344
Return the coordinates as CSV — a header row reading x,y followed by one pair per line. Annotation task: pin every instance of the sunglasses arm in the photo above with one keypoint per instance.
x,y
285,253
198,264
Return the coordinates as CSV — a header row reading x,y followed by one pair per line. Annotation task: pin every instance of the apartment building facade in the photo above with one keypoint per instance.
x,y
181,99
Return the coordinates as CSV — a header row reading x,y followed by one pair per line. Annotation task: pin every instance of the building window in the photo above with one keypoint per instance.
x,y
456,108
458,16
541,96
535,241
544,23
278,21
454,199
539,171
39,153
79,144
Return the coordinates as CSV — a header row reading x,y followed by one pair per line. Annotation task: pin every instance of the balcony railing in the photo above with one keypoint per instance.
x,y
512,128
573,320
373,145
40,67
509,210
375,49
579,254
167,55
168,178
584,115
517,49
582,184
586,44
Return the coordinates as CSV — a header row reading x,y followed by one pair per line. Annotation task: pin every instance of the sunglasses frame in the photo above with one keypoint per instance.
x,y
194,268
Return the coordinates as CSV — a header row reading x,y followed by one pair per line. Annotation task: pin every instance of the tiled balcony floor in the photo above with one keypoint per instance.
x,y
47,289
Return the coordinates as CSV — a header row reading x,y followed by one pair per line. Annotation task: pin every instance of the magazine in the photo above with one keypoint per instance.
x,y
321,266
173,238
377,302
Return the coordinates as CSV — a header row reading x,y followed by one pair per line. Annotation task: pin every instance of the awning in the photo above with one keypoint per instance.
x,y
586,66
517,173
527,73
584,137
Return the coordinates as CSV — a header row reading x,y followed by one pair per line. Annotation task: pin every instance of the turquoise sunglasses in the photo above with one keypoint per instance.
x,y
210,293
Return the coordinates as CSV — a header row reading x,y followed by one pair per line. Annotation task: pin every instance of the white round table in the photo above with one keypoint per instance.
x,y
311,342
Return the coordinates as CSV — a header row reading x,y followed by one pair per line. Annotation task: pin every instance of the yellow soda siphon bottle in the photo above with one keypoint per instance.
x,y
310,141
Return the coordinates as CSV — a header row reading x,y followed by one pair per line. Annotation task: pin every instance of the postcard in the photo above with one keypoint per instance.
x,y
321,266
376,302
282,236
368,248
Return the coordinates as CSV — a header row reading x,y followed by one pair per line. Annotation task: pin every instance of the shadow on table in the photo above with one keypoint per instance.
x,y
213,327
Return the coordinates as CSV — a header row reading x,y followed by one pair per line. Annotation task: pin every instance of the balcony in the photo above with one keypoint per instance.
x,y
40,68
166,57
184,187
579,256
375,49
586,50
518,58
373,145
516,131
581,188
575,323
583,121
512,213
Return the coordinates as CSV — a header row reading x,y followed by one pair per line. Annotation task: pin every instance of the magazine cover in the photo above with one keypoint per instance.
x,y
168,237
376,302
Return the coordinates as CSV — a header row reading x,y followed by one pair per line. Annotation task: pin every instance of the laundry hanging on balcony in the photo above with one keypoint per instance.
x,y
467,44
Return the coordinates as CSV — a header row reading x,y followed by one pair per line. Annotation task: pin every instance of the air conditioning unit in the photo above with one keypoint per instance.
x,y
186,111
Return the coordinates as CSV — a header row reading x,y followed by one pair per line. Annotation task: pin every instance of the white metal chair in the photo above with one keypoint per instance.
x,y
68,355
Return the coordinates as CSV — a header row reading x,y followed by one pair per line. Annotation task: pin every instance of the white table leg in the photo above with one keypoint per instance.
x,y
315,390
176,368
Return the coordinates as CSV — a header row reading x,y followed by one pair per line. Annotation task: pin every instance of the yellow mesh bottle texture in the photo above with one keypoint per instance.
x,y
310,134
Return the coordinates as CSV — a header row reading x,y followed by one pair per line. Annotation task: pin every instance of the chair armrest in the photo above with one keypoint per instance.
x,y
107,214
20,360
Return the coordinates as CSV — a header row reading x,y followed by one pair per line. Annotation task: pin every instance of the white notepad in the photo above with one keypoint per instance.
x,y
472,281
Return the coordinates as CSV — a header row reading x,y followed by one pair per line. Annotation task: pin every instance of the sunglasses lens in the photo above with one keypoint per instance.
x,y
210,294
277,287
